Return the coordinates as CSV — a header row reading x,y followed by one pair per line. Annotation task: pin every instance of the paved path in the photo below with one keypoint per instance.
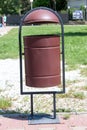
x,y
75,122
4,30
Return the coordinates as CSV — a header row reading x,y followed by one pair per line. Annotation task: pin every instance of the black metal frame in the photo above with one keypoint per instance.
x,y
63,66
54,106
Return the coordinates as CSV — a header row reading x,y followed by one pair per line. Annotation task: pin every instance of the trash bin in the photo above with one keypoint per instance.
x,y
42,60
42,52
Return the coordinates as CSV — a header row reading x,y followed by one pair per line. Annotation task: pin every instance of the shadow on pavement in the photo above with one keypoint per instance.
x,y
15,115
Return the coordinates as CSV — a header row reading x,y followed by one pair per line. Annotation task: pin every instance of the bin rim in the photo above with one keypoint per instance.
x,y
42,35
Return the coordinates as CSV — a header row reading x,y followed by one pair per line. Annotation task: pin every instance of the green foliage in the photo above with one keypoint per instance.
x,y
5,103
8,6
22,6
38,3
82,7
14,6
60,4
70,11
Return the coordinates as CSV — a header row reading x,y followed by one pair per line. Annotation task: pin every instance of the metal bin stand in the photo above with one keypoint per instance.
x,y
37,51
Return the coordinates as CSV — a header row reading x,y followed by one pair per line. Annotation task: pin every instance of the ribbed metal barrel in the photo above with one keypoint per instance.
x,y
42,60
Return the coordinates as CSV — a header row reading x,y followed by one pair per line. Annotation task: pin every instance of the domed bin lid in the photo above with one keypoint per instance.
x,y
41,16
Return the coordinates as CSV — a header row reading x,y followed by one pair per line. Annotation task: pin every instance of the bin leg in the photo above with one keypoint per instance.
x,y
54,105
31,105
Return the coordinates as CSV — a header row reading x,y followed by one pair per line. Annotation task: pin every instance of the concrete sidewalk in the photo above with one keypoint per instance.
x,y
20,122
5,30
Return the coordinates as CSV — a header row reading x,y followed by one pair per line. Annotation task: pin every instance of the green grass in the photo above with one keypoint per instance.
x,y
84,88
63,110
76,45
72,94
40,30
75,42
84,71
66,116
79,95
9,45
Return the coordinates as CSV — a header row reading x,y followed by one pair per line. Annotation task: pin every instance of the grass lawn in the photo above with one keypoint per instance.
x,y
75,55
76,45
9,45
75,42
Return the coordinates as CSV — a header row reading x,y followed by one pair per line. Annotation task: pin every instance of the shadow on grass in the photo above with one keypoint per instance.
x,y
75,34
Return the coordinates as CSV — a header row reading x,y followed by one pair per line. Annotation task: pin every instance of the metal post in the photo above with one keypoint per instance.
x,y
31,105
54,105
55,5
85,13
31,5
31,1
68,12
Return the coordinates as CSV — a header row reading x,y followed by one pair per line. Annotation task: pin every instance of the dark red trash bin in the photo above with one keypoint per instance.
x,y
42,60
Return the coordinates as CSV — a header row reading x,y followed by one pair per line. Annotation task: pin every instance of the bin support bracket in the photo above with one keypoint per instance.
x,y
43,118
54,105
32,114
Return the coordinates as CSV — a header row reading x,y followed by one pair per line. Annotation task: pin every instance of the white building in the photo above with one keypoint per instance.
x,y
76,3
